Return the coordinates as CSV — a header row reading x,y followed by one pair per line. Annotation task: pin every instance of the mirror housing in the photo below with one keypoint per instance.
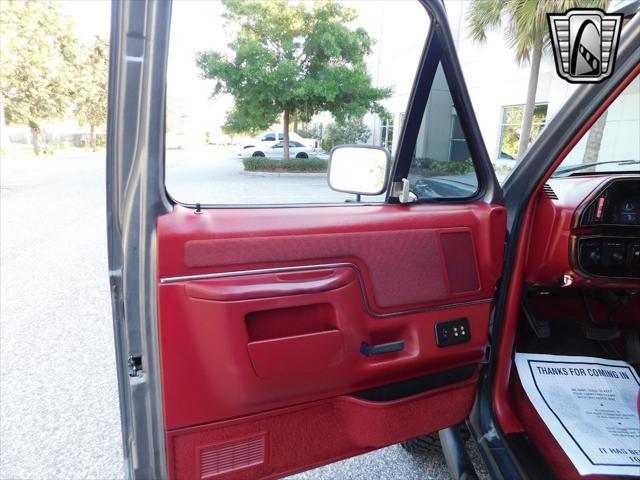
x,y
359,169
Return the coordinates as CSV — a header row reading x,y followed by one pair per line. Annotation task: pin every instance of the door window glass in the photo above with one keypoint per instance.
x,y
239,72
612,144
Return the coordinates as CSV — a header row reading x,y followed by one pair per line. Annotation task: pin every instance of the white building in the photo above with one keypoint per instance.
x,y
497,84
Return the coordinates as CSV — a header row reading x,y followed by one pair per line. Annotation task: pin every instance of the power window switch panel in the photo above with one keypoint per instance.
x,y
452,332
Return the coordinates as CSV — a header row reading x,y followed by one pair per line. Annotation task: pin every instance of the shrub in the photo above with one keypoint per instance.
x,y
444,167
350,131
422,162
301,165
310,131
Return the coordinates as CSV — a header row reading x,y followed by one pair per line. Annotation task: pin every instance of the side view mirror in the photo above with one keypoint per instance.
x,y
359,169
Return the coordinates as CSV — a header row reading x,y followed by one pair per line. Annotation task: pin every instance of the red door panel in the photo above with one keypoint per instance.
x,y
382,241
263,314
275,444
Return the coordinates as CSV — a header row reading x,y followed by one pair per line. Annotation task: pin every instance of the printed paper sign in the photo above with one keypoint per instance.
x,y
590,405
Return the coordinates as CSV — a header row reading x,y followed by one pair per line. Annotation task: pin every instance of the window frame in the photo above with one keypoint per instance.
x,y
439,51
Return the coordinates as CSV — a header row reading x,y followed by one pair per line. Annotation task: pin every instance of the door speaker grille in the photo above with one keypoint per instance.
x,y
216,460
460,261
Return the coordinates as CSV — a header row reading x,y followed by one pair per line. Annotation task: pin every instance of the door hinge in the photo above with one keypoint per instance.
x,y
402,191
134,366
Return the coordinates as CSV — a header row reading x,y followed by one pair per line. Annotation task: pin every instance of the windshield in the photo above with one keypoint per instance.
x,y
612,144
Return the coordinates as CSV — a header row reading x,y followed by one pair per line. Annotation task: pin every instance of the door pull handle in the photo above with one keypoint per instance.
x,y
368,350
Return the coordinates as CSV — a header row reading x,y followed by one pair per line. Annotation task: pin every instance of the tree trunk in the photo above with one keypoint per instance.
x,y
4,134
35,136
285,125
594,140
92,137
527,114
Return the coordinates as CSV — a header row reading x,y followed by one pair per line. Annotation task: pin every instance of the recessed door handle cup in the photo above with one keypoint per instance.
x,y
368,350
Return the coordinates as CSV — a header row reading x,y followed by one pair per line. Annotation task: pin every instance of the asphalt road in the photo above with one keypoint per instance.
x,y
59,416
58,397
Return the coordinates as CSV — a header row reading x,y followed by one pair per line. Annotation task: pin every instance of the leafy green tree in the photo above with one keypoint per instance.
x,y
91,97
292,60
310,131
237,122
349,131
38,70
526,32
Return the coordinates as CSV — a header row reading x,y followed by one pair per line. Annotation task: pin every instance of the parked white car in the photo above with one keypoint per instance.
x,y
269,138
275,150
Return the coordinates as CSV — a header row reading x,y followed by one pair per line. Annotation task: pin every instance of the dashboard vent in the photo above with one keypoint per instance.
x,y
593,214
589,215
548,191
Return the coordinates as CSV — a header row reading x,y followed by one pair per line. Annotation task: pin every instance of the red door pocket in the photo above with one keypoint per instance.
x,y
371,424
297,354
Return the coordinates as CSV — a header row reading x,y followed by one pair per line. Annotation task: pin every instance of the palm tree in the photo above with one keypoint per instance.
x,y
526,32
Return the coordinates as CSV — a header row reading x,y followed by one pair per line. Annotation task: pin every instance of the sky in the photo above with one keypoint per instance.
x,y
90,17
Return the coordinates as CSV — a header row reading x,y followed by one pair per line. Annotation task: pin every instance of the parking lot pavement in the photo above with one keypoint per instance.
x,y
59,416
211,175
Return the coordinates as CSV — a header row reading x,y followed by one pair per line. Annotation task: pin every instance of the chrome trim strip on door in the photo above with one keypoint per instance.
x,y
242,273
302,268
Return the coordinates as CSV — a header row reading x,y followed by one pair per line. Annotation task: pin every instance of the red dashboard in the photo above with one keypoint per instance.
x,y
586,232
